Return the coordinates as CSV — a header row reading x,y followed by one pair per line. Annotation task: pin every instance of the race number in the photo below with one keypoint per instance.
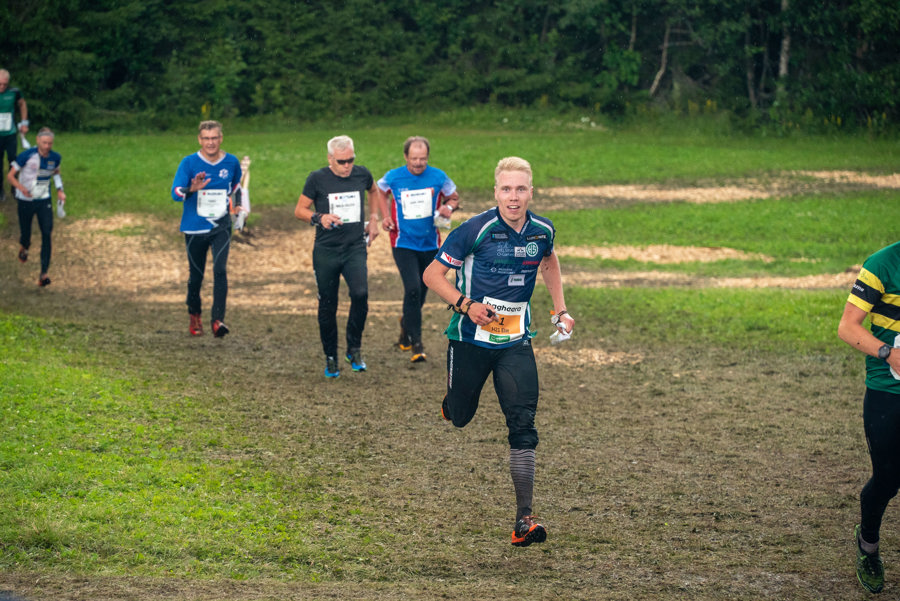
x,y
416,204
212,204
511,324
346,205
40,189
6,121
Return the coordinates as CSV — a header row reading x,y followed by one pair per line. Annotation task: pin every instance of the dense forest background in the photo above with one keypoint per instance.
x,y
95,64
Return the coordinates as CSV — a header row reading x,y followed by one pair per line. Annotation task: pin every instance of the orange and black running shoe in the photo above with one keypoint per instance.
x,y
528,531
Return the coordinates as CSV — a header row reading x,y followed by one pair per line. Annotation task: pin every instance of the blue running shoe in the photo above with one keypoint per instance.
x,y
354,358
331,368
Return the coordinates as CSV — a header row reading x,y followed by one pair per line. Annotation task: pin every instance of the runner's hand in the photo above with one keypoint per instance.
x,y
482,314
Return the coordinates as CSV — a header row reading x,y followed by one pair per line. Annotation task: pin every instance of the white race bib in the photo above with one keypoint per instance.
x,y
212,204
6,121
896,345
346,205
511,325
40,189
416,204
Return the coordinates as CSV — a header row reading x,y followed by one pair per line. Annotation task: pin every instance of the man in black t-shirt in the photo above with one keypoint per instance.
x,y
333,200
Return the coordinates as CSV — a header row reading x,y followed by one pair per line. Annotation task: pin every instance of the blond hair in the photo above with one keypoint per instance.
x,y
513,164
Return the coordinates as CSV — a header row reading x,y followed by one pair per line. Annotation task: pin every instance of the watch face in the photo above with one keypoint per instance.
x,y
884,352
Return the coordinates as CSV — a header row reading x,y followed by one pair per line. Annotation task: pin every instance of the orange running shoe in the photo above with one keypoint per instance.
x,y
528,531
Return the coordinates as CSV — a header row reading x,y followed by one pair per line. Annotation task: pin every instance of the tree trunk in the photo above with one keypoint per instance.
x,y
663,60
784,58
748,65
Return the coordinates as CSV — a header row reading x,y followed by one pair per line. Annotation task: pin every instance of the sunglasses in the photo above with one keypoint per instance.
x,y
344,161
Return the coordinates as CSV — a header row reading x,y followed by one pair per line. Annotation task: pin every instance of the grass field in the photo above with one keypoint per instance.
x,y
697,442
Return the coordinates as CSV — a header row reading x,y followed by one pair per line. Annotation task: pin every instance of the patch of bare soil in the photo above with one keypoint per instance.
x,y
656,468
660,253
133,254
792,182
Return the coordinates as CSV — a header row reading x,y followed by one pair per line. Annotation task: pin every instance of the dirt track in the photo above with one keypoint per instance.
x,y
138,255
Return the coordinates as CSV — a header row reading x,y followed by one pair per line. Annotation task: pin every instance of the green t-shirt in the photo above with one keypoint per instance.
x,y
877,292
9,100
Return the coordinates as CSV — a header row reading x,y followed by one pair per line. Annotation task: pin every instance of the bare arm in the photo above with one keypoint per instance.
x,y
450,204
552,274
23,115
852,331
435,277
376,206
387,222
304,212
14,181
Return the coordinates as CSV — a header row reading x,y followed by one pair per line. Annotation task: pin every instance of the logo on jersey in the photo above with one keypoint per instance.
x,y
531,249
499,236
534,237
520,252
448,259
223,173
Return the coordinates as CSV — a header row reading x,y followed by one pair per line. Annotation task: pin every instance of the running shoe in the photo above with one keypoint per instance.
x,y
418,353
331,368
445,411
219,328
23,254
528,531
196,327
44,280
869,568
354,358
404,343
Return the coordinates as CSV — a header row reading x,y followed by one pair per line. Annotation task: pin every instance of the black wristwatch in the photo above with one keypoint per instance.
x,y
885,351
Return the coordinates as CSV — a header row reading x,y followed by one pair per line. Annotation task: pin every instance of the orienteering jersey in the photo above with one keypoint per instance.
x,y
416,198
35,172
497,266
877,292
205,209
9,100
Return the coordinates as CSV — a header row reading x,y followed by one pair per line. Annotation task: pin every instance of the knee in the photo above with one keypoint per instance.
x,y
460,421
523,439
359,296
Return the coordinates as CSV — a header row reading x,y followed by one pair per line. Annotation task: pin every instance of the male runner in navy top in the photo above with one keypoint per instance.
x,y
204,183
497,256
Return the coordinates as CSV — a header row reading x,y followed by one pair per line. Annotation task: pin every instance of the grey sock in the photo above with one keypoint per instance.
x,y
867,548
521,468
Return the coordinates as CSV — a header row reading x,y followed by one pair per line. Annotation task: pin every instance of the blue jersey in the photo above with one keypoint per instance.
x,y
497,266
35,172
206,208
416,198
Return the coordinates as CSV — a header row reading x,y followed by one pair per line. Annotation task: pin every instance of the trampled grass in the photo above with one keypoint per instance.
x,y
108,173
720,459
801,235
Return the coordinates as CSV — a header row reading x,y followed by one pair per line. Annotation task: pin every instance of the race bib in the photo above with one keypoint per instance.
x,y
40,189
896,345
346,205
511,324
212,204
416,204
6,121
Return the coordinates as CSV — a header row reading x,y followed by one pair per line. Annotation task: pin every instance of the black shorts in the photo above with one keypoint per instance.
x,y
515,381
